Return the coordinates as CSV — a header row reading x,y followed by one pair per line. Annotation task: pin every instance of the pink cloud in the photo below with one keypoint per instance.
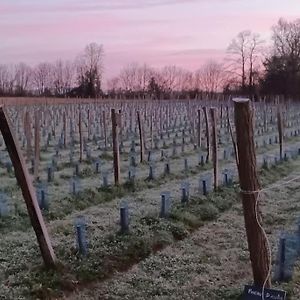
x,y
159,32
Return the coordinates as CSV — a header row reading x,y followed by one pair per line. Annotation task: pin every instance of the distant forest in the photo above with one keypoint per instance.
x,y
252,68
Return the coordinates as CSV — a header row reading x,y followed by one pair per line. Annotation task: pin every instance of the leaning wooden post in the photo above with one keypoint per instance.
x,y
213,115
142,146
280,131
88,123
65,129
121,127
80,135
250,186
104,129
116,152
207,134
199,129
36,144
265,118
232,137
151,131
27,125
29,195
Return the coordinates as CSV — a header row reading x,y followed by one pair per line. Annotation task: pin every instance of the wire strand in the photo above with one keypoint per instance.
x,y
258,199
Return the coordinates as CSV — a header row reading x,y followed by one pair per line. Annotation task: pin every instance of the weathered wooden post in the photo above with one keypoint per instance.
x,y
213,115
116,150
36,144
142,145
121,127
88,123
199,129
80,135
151,131
280,131
207,134
232,137
250,186
65,129
29,195
104,129
27,129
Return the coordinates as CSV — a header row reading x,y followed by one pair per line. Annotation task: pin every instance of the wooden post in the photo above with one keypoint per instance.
x,y
142,146
249,184
207,134
53,124
80,135
199,129
116,151
280,131
27,129
23,179
265,118
232,137
65,129
221,115
121,127
213,115
104,129
161,120
36,144
151,131
88,123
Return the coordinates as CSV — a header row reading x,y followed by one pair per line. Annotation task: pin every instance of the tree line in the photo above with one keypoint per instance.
x,y
251,68
81,77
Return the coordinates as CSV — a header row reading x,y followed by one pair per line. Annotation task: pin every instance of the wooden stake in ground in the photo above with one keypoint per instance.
x,y
280,131
207,134
151,131
36,144
249,183
104,129
80,135
213,115
29,195
232,137
88,123
116,152
142,145
65,129
121,127
27,129
199,129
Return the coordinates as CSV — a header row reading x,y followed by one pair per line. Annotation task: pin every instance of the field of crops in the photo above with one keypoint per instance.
x,y
159,227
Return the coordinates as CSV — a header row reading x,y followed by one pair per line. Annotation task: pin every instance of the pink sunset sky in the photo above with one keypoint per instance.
x,y
157,32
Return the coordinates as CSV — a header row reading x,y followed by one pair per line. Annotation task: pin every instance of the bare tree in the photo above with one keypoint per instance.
x,y
23,75
197,81
286,40
63,77
255,50
145,73
245,49
239,49
184,80
129,78
135,79
212,77
42,78
169,76
4,79
90,70
113,86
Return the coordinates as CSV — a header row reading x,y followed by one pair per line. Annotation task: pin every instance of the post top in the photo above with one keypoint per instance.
x,y
241,100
